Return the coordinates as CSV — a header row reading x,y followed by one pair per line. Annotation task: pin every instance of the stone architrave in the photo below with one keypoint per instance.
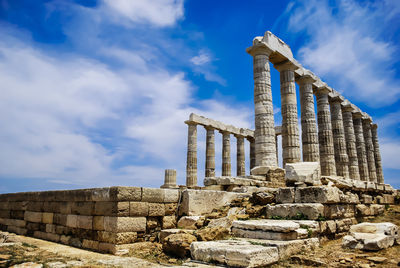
x,y
170,179
347,109
339,141
191,162
309,133
377,153
252,152
240,156
360,143
325,137
210,152
290,126
366,122
264,134
226,153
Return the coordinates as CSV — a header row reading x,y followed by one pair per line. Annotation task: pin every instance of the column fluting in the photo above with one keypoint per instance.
x,y
377,153
360,144
191,162
240,156
210,152
226,154
366,122
252,152
170,179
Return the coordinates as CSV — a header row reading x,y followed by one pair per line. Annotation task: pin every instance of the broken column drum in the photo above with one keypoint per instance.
x,y
339,141
325,137
290,127
354,172
377,153
309,134
191,162
366,122
361,151
210,152
264,134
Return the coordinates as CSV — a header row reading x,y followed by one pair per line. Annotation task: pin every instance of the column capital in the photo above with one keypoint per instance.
x,y
324,89
209,127
189,122
287,65
357,114
224,132
238,136
335,97
305,79
259,48
347,106
374,126
366,118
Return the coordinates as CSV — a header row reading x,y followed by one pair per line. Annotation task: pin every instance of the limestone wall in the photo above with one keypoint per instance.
x,y
101,219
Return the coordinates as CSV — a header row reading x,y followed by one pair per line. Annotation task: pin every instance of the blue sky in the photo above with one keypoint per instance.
x,y
94,93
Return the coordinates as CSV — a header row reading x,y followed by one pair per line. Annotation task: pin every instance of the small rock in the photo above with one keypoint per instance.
x,y
191,222
172,260
212,233
263,198
178,244
364,265
377,259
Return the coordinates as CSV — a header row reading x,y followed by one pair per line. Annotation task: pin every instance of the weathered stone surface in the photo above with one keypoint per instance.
x,y
168,222
344,225
283,226
33,216
167,232
234,253
124,224
307,172
191,222
196,202
328,227
225,222
269,235
311,211
260,170
337,211
285,195
263,198
138,209
178,244
72,221
314,226
153,195
368,241
317,194
349,198
119,193
85,222
338,182
98,223
212,233
156,209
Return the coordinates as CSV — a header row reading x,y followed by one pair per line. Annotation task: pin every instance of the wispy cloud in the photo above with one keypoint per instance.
x,y
346,46
201,59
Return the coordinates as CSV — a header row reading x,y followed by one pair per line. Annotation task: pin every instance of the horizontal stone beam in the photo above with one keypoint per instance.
x,y
207,122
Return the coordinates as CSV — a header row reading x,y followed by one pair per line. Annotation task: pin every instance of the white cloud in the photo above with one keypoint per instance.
x,y
156,12
346,47
201,59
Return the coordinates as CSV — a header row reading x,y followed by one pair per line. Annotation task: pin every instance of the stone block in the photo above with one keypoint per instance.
x,y
72,221
195,202
47,217
101,194
359,185
117,238
156,209
349,198
50,228
306,172
170,209
60,229
98,223
66,207
169,222
380,187
389,188
268,235
377,209
327,227
153,195
337,211
167,232
60,219
191,222
171,195
17,214
371,186
138,209
153,223
283,226
36,206
32,216
363,210
4,205
260,171
5,214
124,224
317,194
234,253
82,208
111,208
119,193
17,230
90,244
85,222
366,199
343,225
285,195
311,211
388,199
65,239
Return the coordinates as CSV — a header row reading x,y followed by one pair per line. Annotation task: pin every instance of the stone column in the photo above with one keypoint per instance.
x,y
339,141
191,162
240,156
277,149
210,152
325,137
377,153
264,134
366,122
226,154
350,140
309,133
170,179
290,127
252,153
361,151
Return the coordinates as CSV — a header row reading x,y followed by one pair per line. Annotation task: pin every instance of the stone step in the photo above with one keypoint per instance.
x,y
283,226
310,211
234,253
267,235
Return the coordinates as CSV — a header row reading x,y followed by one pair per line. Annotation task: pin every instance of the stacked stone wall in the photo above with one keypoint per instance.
x,y
101,219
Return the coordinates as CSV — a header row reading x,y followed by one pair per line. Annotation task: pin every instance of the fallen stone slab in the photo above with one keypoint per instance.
x,y
268,235
306,172
310,211
166,232
283,226
234,253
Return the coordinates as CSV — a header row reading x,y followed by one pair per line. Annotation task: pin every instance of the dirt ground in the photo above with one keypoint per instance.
x,y
31,252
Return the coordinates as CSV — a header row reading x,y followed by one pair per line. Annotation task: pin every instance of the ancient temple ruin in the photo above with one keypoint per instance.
x,y
333,183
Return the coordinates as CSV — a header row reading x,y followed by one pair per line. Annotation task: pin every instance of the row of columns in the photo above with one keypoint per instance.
x,y
191,164
347,143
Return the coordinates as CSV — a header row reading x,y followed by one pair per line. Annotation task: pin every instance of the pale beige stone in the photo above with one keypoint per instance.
x,y
85,222
124,224
169,222
98,223
191,222
311,210
307,172
72,221
47,217
282,226
139,209
156,209
33,216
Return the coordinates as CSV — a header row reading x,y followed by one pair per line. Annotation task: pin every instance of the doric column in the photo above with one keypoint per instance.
x,y
339,141
264,134
226,153
277,149
290,126
170,179
377,153
361,151
210,152
191,162
309,133
366,122
347,109
325,137
240,156
252,152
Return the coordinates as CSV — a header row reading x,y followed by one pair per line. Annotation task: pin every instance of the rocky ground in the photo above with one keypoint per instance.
x,y
19,251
